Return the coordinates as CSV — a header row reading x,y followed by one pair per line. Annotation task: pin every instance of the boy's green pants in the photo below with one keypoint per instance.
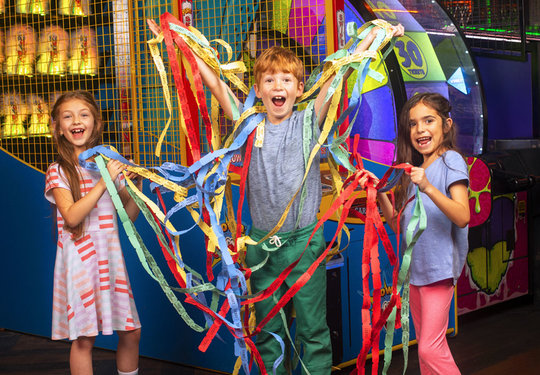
x,y
309,302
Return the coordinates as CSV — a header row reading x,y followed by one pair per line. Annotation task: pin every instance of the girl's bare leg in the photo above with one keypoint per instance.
x,y
80,356
127,353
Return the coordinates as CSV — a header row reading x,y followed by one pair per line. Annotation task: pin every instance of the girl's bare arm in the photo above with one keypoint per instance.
x,y
456,208
74,213
388,210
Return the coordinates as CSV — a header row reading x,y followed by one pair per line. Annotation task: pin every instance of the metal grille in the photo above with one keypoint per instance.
x,y
248,27
119,70
497,26
152,111
50,47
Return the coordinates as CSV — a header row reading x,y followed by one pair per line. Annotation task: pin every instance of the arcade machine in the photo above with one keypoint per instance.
x,y
497,265
501,238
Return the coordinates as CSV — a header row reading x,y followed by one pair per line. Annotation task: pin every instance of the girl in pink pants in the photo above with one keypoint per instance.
x,y
426,139
430,306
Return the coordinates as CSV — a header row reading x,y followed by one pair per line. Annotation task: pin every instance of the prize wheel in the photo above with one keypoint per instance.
x,y
432,56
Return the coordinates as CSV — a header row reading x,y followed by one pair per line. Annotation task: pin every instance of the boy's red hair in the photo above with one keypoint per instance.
x,y
278,59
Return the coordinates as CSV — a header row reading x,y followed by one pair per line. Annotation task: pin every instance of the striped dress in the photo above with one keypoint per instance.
x,y
91,291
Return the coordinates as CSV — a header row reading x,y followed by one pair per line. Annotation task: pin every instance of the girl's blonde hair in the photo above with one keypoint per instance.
x,y
406,153
278,59
66,152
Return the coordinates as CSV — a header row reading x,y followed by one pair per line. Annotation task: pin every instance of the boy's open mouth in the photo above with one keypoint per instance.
x,y
278,101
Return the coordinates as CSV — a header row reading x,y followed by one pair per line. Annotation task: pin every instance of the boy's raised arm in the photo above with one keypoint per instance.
x,y
321,108
217,87
210,79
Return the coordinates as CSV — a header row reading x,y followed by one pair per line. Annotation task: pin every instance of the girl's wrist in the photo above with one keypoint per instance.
x,y
102,184
427,189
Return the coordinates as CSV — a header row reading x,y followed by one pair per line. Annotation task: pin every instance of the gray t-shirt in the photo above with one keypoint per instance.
x,y
441,250
275,173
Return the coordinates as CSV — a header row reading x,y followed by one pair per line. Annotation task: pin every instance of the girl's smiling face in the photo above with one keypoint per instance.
x,y
427,131
278,92
76,122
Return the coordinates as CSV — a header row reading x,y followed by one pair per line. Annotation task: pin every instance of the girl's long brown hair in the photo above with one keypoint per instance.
x,y
406,153
66,152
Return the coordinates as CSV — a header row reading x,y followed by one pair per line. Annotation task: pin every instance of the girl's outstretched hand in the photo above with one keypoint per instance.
x,y
418,177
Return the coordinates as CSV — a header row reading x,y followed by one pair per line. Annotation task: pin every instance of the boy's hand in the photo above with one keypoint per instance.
x,y
154,27
398,30
209,77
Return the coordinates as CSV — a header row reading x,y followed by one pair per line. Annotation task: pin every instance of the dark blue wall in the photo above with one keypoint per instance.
x,y
508,92
28,251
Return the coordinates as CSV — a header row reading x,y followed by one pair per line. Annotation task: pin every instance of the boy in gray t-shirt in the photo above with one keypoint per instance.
x,y
275,173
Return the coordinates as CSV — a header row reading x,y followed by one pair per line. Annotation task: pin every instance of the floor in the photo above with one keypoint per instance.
x,y
502,339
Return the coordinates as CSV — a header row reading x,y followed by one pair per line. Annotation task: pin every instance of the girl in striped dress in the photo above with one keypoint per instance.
x,y
92,292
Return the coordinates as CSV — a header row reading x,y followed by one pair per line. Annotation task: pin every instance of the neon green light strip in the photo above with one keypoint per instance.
x,y
535,33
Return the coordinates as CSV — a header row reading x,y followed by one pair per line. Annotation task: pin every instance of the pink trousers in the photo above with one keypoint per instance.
x,y
430,306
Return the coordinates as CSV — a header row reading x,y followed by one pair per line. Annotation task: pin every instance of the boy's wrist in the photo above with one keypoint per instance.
x,y
373,33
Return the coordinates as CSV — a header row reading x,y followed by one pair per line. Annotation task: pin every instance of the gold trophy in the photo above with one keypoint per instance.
x,y
15,112
74,7
84,54
20,50
32,7
53,51
2,49
39,116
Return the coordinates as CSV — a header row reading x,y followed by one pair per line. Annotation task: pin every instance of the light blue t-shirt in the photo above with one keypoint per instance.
x,y
442,248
